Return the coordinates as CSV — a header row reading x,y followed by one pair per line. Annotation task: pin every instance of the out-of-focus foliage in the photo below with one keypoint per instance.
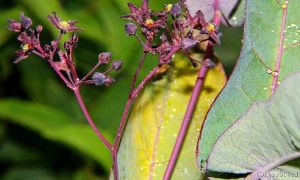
x,y
30,150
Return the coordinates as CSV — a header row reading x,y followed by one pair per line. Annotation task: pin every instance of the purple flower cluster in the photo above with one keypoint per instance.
x,y
64,66
176,28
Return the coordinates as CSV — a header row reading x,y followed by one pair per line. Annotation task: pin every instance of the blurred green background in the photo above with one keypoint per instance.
x,y
43,134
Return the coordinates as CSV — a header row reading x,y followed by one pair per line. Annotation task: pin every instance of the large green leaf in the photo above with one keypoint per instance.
x,y
56,125
155,120
261,50
264,138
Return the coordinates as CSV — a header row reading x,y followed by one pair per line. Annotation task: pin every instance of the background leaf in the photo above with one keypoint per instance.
x,y
250,81
155,120
54,125
269,131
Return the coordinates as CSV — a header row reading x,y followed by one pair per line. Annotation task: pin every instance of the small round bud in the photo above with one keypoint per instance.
x,y
104,57
14,26
99,78
25,21
39,28
130,29
108,81
116,65
175,10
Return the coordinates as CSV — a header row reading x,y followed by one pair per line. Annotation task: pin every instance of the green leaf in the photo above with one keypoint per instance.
x,y
155,120
250,81
55,125
264,138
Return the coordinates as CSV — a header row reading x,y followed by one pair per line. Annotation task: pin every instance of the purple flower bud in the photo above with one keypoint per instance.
x,y
25,21
188,43
108,81
117,65
47,48
14,26
104,57
39,28
176,10
130,29
99,78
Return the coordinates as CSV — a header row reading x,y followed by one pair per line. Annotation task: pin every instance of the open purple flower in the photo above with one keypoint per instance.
x,y
64,26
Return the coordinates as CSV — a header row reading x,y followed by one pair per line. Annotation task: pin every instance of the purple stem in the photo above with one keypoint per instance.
x,y
186,121
89,73
89,119
137,72
132,96
193,100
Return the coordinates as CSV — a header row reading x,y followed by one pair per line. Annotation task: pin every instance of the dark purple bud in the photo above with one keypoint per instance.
x,y
47,48
130,29
117,65
25,21
14,26
176,10
104,57
108,81
99,78
188,43
39,28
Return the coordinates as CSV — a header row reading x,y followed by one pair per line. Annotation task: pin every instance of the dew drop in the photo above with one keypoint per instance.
x,y
265,88
278,82
269,71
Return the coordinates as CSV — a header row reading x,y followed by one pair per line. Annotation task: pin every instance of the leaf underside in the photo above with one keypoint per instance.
x,y
153,125
232,10
267,133
250,81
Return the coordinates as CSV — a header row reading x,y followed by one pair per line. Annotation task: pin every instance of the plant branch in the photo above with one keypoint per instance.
x,y
89,119
194,98
133,94
137,72
186,121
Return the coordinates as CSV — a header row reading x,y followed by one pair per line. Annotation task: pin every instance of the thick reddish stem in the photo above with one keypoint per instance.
x,y
89,119
193,100
186,121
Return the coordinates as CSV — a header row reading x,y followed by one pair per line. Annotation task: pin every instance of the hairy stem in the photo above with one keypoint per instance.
x,y
89,119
